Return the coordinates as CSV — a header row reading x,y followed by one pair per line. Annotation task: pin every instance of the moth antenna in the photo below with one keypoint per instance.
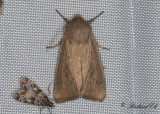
x,y
65,19
91,20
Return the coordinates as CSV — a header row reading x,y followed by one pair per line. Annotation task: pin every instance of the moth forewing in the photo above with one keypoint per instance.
x,y
64,87
94,87
79,70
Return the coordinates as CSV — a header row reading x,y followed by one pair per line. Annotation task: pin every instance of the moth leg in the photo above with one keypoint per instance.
x,y
49,110
40,109
49,89
55,37
102,47
55,45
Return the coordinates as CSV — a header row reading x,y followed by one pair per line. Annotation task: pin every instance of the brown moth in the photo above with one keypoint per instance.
x,y
79,71
31,94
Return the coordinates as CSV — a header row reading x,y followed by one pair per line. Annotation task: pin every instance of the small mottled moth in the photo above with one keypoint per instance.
x,y
31,94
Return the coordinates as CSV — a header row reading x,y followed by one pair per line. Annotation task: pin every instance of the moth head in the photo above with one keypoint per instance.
x,y
18,94
24,80
77,15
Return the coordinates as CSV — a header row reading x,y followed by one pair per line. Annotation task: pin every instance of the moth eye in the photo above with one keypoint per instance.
x,y
40,97
16,96
32,85
33,99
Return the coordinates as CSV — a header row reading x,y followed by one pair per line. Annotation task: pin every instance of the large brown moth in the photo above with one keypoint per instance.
x,y
79,71
30,93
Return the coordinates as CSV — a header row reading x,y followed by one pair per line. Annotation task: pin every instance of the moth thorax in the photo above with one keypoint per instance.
x,y
77,15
